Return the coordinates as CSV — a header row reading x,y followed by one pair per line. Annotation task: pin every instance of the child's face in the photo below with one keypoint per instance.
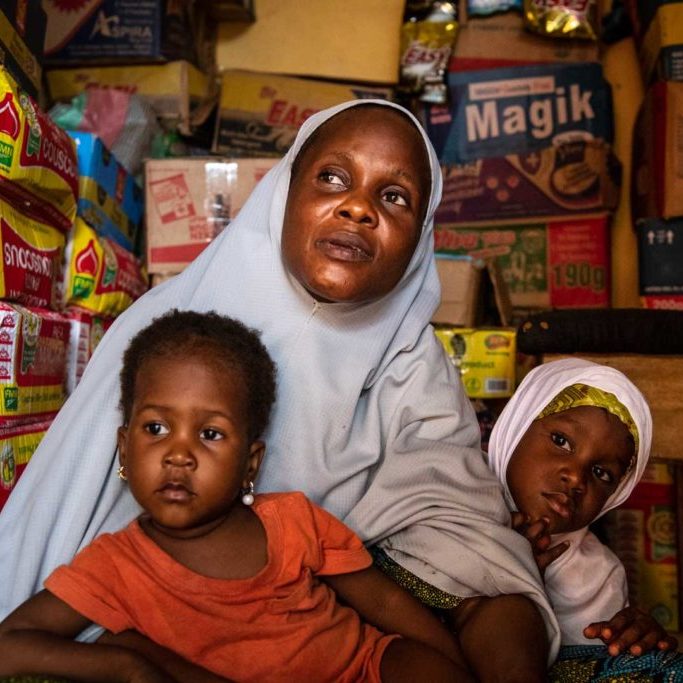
x,y
356,205
567,465
186,447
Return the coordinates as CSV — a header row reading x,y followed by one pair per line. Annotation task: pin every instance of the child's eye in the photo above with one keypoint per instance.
x,y
395,197
210,434
603,474
560,440
156,428
331,178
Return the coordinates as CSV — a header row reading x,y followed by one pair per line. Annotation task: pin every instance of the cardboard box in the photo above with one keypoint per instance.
x,y
33,351
496,112
657,178
659,378
658,29
582,176
189,201
173,90
501,40
110,31
259,115
109,198
312,39
559,263
18,443
484,357
22,34
472,292
642,532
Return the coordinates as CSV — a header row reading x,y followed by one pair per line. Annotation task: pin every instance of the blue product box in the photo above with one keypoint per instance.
x,y
22,34
110,200
118,31
496,112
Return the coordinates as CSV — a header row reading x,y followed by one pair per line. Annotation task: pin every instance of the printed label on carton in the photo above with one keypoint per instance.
x,y
496,112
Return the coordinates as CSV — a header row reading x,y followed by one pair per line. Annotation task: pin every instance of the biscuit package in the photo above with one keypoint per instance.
x,y
38,168
31,259
33,352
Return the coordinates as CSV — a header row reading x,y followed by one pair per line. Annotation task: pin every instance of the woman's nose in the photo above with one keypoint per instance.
x,y
359,208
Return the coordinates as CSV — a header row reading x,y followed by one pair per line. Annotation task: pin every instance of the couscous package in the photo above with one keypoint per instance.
x,y
33,353
87,331
38,167
32,254
100,276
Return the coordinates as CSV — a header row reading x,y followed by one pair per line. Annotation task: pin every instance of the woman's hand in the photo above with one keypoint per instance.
x,y
536,532
631,630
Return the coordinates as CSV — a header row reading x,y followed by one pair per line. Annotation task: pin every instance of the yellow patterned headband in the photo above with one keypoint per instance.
x,y
583,395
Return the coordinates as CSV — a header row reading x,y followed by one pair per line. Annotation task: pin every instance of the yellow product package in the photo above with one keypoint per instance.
x,y
562,18
101,276
17,444
31,259
484,357
38,167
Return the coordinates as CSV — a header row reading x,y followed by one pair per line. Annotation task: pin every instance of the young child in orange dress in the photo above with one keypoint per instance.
x,y
241,585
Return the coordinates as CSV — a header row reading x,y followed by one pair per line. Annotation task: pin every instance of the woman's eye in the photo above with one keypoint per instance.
x,y
394,197
603,474
560,440
211,434
156,429
331,178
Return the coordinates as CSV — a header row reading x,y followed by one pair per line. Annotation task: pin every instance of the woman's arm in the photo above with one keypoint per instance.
x,y
390,608
37,638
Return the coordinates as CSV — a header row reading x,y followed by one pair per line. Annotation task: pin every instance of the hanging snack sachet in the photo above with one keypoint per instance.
x,y
562,18
426,46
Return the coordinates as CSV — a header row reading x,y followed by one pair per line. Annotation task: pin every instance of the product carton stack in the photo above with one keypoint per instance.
x,y
524,136
148,49
273,75
38,197
657,182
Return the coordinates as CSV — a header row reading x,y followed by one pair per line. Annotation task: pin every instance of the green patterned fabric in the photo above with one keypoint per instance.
x,y
593,664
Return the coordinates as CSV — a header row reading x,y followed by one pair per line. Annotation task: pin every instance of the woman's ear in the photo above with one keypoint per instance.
x,y
256,452
121,435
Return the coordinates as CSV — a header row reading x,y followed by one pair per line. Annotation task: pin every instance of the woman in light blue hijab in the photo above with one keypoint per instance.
x,y
371,421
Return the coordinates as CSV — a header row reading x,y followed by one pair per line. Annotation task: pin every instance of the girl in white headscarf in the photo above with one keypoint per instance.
x,y
571,444
371,421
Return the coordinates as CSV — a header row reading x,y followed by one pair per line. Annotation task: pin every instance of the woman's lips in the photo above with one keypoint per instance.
x,y
345,246
560,503
175,492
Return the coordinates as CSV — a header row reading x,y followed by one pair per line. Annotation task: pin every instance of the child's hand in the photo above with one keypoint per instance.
x,y
631,630
536,532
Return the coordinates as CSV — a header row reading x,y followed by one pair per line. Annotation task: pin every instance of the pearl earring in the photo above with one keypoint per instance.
x,y
121,472
248,494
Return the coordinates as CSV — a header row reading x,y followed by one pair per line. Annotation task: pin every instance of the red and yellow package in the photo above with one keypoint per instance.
x,y
38,167
562,18
18,443
33,354
31,259
101,276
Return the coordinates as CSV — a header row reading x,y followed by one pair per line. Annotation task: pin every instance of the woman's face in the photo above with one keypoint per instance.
x,y
356,205
567,465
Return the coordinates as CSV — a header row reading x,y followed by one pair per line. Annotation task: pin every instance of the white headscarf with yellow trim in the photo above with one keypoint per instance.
x,y
587,583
